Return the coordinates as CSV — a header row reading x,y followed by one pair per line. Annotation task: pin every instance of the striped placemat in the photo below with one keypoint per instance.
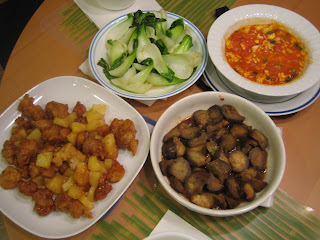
x,y
285,220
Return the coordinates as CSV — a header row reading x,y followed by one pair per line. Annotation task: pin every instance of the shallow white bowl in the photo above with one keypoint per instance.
x,y
98,50
257,13
255,117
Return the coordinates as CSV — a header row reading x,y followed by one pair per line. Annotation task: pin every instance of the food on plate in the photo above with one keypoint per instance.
x,y
65,161
215,159
266,53
144,51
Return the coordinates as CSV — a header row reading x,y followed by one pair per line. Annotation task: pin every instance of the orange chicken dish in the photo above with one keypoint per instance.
x,y
65,161
266,53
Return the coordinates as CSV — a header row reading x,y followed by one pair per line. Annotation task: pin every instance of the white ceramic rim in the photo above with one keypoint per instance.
x,y
234,18
155,154
95,54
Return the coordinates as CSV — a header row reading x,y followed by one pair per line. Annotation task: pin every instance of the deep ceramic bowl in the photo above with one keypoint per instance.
x,y
98,50
231,20
254,117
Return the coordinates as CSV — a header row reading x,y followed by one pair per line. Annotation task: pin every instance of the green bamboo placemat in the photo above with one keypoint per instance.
x,y
286,219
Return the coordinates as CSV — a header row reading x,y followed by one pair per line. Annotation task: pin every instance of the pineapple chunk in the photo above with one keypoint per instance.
x,y
62,122
81,174
94,164
90,194
68,184
39,181
108,163
44,159
94,178
75,192
110,145
77,127
86,202
93,115
71,118
93,125
35,135
72,138
101,108
55,184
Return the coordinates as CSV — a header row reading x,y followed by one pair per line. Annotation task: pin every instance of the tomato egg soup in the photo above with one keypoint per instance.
x,y
266,53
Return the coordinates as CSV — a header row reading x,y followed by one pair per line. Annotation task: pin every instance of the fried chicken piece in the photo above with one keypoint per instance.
x,y
8,151
65,203
49,172
9,178
92,146
103,188
43,201
27,188
34,171
125,133
28,109
42,124
55,135
26,150
18,133
68,153
116,172
21,122
79,109
55,109
103,130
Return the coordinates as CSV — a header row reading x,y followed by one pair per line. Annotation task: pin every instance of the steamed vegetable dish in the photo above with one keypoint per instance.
x,y
145,51
65,161
214,159
266,53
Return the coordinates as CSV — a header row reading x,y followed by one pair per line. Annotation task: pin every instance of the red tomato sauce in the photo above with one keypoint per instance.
x,y
266,53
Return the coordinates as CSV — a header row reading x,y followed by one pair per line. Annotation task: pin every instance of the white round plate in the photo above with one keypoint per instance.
x,y
69,90
98,50
257,13
275,107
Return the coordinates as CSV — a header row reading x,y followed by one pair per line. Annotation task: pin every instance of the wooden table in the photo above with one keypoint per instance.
x,y
38,56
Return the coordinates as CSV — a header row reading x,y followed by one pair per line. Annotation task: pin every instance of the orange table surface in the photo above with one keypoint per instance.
x,y
39,56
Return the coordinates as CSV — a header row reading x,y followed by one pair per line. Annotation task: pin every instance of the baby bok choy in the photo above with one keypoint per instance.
x,y
145,51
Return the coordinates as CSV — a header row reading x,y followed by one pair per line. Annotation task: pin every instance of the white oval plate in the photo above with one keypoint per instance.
x,y
248,14
273,107
98,50
69,89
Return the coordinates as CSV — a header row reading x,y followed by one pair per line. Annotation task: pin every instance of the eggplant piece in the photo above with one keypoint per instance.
x,y
228,142
205,200
201,148
232,203
240,131
180,148
217,126
249,175
164,165
189,132
233,187
180,169
175,132
249,191
219,133
221,155
231,113
215,113
248,145
220,201
197,158
258,185
201,118
260,137
169,150
177,185
238,161
212,147
258,158
219,169
195,182
214,184
198,140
